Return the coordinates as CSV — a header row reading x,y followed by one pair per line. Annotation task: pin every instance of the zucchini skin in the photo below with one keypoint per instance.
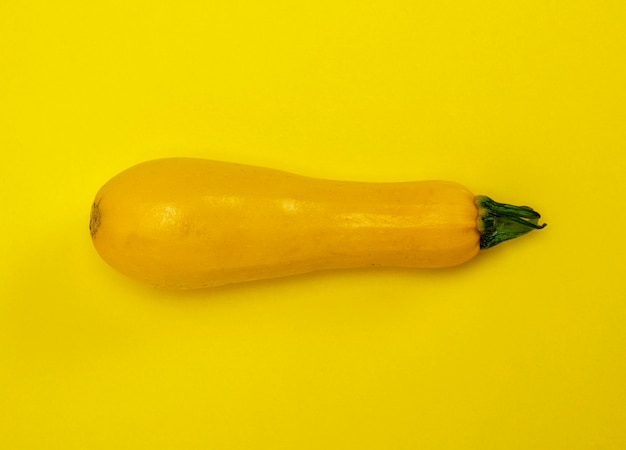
x,y
188,223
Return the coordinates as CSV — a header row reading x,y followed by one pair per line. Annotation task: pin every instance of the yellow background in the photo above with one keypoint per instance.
x,y
522,348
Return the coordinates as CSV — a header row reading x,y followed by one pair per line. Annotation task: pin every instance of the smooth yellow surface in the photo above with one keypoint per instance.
x,y
523,348
192,223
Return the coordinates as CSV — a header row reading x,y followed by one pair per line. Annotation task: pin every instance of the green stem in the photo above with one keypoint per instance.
x,y
499,222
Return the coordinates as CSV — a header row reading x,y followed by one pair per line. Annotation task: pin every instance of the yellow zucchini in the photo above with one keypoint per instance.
x,y
190,223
